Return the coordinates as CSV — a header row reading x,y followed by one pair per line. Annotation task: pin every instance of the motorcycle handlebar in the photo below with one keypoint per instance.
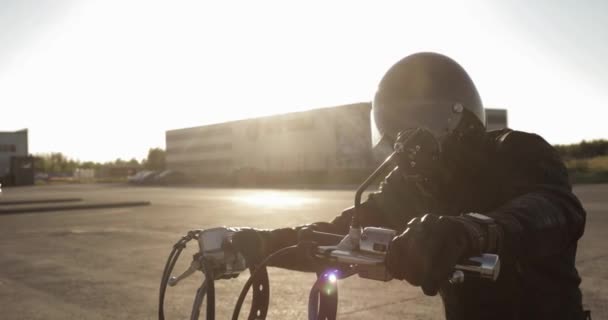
x,y
485,266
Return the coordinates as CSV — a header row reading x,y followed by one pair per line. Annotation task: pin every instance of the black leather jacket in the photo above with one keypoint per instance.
x,y
518,179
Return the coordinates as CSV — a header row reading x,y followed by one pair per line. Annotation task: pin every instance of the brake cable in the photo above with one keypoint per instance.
x,y
261,296
169,265
323,297
260,270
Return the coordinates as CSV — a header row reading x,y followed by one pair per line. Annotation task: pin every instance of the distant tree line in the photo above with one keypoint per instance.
x,y
58,163
584,149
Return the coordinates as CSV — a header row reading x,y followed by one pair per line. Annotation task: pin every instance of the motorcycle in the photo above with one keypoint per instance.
x,y
361,252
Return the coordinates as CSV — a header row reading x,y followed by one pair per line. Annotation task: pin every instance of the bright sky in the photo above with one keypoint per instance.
x,y
98,80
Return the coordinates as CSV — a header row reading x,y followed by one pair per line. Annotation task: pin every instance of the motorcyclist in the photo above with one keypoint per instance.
x,y
462,191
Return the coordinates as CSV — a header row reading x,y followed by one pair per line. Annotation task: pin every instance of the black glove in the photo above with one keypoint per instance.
x,y
253,244
369,215
427,251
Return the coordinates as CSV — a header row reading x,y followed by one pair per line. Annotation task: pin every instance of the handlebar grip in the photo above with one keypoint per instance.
x,y
486,266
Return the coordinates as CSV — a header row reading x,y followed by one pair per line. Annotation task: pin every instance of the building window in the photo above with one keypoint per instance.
x,y
216,163
201,148
496,118
252,131
273,127
299,123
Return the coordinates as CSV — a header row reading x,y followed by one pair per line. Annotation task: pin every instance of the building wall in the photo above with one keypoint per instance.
x,y
496,119
323,139
11,144
201,150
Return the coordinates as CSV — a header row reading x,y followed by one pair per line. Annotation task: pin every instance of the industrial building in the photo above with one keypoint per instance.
x,y
309,143
327,144
16,166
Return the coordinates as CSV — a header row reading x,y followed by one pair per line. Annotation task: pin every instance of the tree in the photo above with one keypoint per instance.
x,y
55,162
89,165
584,149
155,160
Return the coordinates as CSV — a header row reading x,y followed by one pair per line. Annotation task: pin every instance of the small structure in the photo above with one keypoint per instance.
x,y
116,171
496,119
84,175
16,165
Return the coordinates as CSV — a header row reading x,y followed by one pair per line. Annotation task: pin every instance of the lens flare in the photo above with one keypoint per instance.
x,y
330,285
332,278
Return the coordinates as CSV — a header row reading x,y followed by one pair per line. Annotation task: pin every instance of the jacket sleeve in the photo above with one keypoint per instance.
x,y
392,206
543,216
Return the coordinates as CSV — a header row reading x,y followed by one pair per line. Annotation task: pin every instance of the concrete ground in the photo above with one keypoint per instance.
x,y
107,263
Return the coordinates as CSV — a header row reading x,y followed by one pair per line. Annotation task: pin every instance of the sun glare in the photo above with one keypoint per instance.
x,y
274,199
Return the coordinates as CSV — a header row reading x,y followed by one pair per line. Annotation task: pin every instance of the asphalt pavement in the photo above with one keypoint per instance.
x,y
106,263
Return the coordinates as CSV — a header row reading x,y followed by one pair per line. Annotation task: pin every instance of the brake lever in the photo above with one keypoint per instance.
x,y
195,265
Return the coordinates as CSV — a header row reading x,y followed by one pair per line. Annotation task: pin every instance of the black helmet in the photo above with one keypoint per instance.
x,y
429,91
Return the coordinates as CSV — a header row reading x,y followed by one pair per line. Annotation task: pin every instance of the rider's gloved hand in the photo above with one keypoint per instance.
x,y
426,253
369,215
256,244
253,244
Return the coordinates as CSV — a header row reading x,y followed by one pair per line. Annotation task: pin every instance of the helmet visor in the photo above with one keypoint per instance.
x,y
440,119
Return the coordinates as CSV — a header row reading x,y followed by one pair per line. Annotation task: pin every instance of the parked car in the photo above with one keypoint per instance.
x,y
149,178
41,176
134,178
170,177
142,177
